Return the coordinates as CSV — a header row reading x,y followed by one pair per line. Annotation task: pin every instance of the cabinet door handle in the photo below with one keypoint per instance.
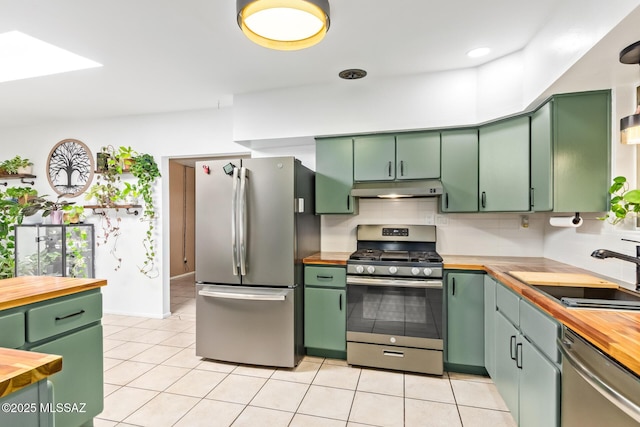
x,y
446,200
390,164
77,313
453,286
340,302
512,347
324,277
348,202
519,355
532,199
484,199
401,167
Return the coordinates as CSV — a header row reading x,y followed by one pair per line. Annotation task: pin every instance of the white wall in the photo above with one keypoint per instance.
x,y
197,133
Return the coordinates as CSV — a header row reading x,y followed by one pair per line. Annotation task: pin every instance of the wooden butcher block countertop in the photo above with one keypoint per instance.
x,y
329,258
615,332
19,369
25,290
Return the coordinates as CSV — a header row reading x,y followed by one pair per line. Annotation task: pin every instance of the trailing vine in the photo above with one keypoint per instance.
x,y
145,169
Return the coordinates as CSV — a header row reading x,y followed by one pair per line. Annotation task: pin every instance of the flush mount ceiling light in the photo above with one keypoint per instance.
x,y
23,57
630,125
284,24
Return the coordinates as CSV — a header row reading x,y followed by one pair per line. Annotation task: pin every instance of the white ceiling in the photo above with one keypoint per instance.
x,y
169,55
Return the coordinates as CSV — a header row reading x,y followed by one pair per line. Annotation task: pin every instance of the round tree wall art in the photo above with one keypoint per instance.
x,y
70,167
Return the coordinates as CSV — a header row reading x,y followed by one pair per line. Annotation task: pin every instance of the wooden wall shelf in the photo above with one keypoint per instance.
x,y
101,209
21,176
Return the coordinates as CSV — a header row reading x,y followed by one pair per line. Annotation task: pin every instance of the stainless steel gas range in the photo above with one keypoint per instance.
x,y
394,298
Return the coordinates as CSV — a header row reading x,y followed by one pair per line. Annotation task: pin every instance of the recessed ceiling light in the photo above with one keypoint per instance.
x,y
352,74
477,53
23,57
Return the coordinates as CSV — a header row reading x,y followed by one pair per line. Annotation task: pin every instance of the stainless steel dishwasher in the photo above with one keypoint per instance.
x,y
596,390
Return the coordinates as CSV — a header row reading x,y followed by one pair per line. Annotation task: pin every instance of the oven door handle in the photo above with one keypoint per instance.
x,y
400,283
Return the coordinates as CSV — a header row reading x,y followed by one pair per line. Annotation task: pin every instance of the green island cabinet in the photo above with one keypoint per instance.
x,y
527,372
401,157
459,171
334,176
570,153
504,166
465,321
29,399
325,308
69,326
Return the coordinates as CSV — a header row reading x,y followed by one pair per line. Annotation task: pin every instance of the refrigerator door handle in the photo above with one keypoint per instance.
x,y
275,296
243,221
234,222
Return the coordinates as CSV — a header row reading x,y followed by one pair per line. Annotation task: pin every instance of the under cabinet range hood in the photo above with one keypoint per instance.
x,y
397,189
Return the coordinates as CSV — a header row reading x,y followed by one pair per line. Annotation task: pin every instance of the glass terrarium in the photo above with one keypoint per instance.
x,y
54,250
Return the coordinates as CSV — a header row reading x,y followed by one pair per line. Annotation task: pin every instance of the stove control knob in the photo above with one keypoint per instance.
x,y
415,271
371,269
359,269
393,270
427,271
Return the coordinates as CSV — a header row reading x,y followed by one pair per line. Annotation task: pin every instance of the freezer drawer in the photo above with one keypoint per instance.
x,y
247,325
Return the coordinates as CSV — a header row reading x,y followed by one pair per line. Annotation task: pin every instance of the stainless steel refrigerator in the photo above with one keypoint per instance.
x,y
255,223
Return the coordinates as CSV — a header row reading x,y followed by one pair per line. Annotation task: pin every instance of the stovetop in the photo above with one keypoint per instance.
x,y
396,256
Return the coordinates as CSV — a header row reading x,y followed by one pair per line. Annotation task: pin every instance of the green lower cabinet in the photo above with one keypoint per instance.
x,y
506,375
325,311
539,388
325,319
465,321
528,381
32,406
80,381
490,325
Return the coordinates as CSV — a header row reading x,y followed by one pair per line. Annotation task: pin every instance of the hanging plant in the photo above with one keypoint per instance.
x,y
145,169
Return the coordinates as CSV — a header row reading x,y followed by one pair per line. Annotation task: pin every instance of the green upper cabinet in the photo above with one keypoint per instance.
x,y
374,158
459,158
504,166
389,158
418,155
571,146
542,160
334,176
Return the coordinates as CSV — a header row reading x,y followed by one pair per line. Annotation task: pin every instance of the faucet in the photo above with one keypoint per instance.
x,y
605,253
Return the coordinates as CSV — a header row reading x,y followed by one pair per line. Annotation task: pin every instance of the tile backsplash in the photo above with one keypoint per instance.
x,y
458,234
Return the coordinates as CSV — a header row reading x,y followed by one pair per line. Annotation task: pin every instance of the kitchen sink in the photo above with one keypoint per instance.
x,y
592,297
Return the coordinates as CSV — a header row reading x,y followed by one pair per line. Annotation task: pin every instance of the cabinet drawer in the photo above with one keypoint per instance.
x,y
399,358
540,329
58,317
507,303
12,327
331,277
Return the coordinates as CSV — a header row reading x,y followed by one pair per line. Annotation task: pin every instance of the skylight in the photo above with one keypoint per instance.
x,y
23,57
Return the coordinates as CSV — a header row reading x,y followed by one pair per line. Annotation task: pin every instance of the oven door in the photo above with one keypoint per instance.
x,y
396,312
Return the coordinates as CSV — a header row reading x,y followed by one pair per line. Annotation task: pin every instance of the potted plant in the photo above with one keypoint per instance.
x,y
11,214
16,165
73,214
22,195
126,156
624,202
48,208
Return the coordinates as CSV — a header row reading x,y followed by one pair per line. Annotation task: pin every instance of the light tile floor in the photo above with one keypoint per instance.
x,y
153,378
